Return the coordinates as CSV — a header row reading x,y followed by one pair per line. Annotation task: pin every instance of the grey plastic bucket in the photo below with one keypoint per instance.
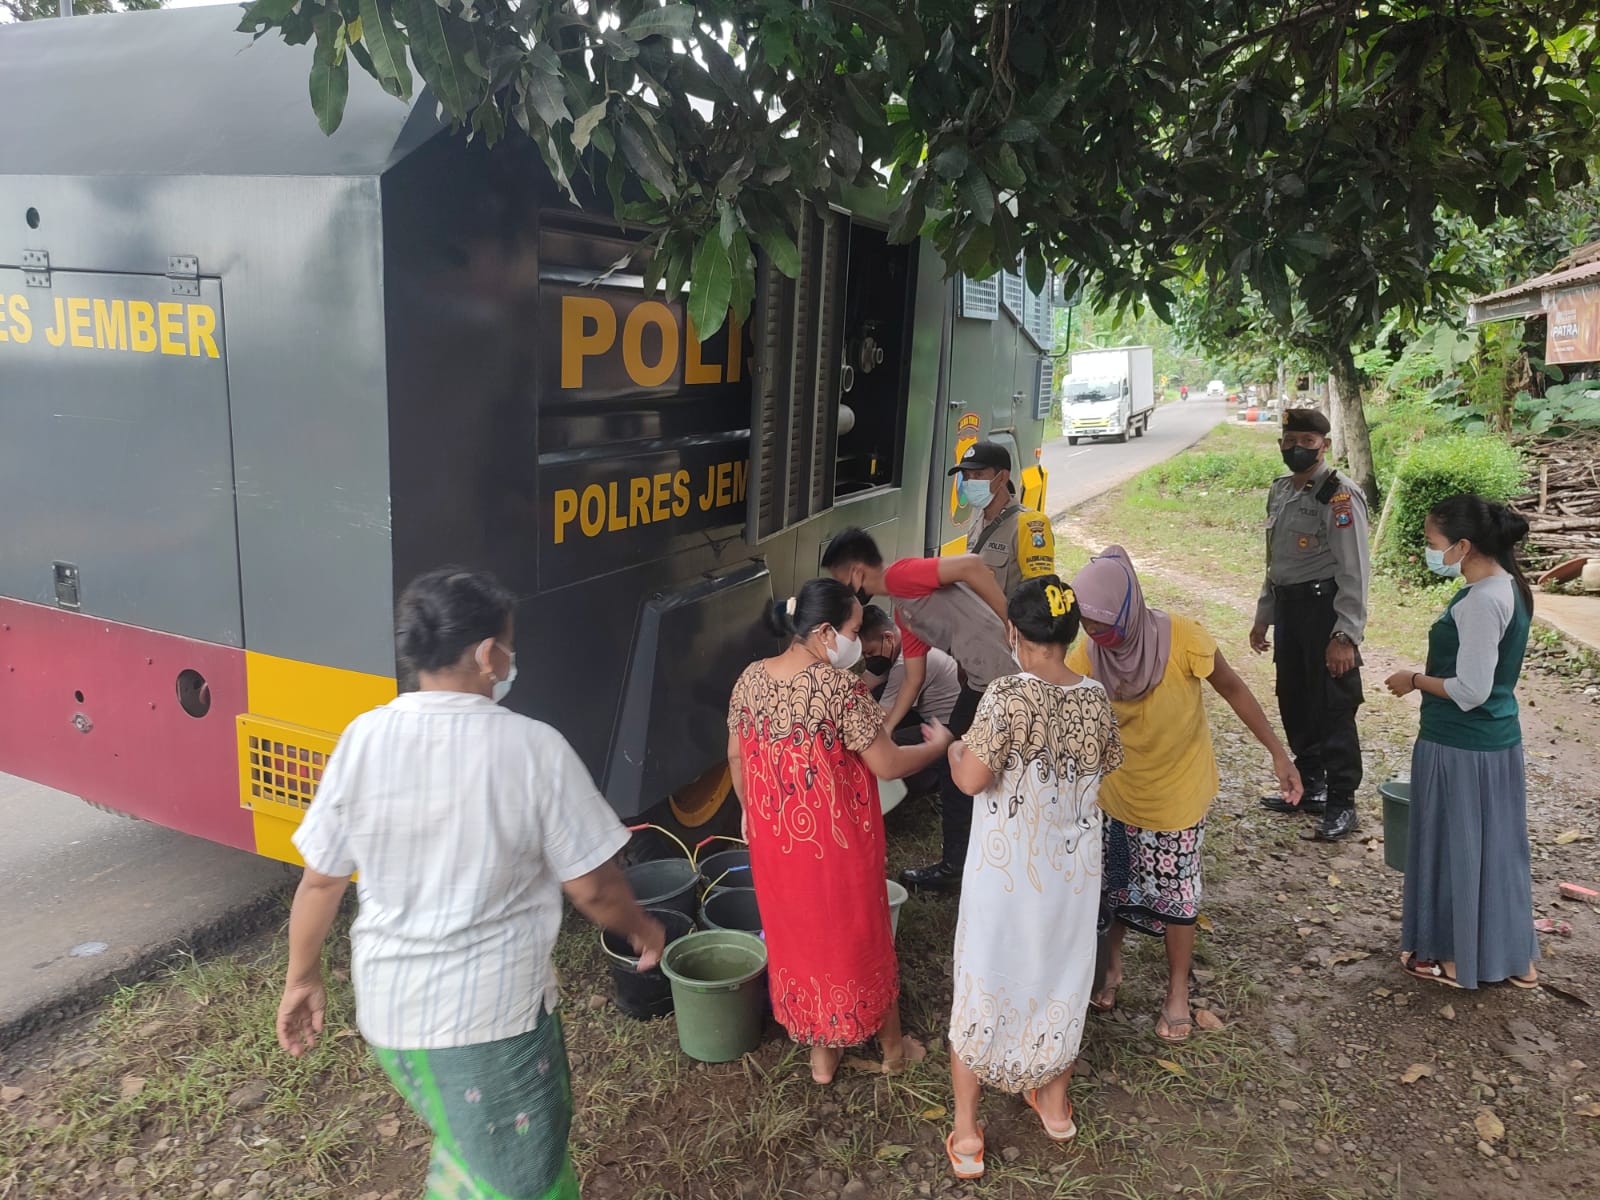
x,y
726,869
731,908
642,994
665,883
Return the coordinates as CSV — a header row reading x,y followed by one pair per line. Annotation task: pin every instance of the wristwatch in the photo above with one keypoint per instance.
x,y
1343,637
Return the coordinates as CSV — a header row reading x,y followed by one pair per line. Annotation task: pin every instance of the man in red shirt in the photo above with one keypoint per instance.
x,y
954,604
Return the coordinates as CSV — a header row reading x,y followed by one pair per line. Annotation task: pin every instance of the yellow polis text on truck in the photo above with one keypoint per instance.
x,y
647,499
91,323
589,330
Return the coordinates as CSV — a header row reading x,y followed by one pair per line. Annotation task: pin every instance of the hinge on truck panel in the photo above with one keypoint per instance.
x,y
36,268
184,271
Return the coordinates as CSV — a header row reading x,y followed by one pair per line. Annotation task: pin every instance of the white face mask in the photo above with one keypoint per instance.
x,y
978,492
502,687
1016,653
1436,563
846,653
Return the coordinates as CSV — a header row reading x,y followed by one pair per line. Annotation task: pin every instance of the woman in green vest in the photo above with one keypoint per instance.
x,y
1468,912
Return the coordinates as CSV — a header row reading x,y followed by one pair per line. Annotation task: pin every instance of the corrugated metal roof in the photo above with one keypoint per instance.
x,y
181,92
1550,281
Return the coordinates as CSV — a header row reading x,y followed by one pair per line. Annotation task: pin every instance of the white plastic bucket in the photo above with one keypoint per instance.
x,y
897,897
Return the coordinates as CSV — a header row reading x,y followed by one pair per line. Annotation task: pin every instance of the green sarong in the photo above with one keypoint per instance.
x,y
500,1113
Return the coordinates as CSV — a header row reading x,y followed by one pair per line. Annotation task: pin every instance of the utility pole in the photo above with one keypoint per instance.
x,y
65,8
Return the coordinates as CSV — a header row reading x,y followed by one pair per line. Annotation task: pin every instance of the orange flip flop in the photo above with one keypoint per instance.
x,y
1031,1097
964,1166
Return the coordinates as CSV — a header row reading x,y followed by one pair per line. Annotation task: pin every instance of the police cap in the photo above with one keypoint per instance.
x,y
983,454
1305,420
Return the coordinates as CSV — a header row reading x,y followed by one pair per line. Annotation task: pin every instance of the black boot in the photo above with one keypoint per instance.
x,y
1337,823
1314,802
939,877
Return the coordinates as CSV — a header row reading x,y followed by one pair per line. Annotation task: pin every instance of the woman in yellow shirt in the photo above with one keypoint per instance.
x,y
1151,665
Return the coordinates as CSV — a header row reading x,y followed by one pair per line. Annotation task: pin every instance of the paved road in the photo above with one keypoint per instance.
x,y
1081,472
75,876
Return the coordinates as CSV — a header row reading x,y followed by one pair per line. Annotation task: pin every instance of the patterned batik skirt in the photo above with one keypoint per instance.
x,y
1150,877
499,1111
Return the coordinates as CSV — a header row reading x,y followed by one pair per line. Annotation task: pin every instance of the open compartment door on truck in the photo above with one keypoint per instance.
x,y
688,649
116,452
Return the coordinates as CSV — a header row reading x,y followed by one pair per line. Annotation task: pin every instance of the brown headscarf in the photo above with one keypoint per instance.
x,y
1108,591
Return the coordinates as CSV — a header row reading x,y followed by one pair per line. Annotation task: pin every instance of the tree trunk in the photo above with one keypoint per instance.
x,y
1283,387
1330,409
1355,439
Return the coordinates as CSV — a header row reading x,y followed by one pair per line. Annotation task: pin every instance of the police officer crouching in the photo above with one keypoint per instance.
x,y
1315,596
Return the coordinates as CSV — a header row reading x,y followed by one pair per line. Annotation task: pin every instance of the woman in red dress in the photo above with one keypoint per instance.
x,y
805,742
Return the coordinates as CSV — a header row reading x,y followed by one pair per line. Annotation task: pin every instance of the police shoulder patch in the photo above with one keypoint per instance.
x,y
1343,509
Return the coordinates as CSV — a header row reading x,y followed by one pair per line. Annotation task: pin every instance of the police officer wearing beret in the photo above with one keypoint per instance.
x,y
1315,597
1016,544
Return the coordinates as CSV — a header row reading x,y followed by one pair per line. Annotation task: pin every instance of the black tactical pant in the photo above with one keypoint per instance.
x,y
955,806
1318,711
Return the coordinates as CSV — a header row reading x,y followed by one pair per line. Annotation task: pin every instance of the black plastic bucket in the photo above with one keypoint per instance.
x,y
642,994
731,908
726,869
666,883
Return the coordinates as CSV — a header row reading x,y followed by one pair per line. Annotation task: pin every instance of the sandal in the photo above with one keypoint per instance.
x,y
964,1166
1031,1098
1432,972
1098,1003
1525,982
1172,1026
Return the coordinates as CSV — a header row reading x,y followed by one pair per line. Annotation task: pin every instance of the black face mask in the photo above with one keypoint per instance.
x,y
877,664
864,596
1300,458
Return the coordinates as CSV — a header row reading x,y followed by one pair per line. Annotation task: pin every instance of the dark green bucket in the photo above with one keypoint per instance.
x,y
1396,795
718,990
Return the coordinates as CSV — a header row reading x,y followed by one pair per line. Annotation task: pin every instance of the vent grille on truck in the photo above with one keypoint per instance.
x,y
797,328
280,766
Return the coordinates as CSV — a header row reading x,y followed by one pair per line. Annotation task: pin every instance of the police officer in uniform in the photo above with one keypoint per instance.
x,y
1016,544
1315,597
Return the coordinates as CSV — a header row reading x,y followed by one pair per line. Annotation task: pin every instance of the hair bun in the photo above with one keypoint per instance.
x,y
1511,525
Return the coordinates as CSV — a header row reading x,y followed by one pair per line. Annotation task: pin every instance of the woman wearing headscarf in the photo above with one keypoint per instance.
x,y
1151,664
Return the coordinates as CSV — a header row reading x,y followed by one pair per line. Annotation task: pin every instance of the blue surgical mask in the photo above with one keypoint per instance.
x,y
977,491
1436,563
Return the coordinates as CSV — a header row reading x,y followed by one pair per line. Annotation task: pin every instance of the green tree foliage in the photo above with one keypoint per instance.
x,y
1306,151
34,10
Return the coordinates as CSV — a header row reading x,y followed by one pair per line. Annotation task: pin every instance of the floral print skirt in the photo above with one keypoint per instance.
x,y
500,1113
1151,877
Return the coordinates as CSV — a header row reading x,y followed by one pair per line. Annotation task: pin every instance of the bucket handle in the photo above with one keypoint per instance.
x,y
723,876
687,853
715,837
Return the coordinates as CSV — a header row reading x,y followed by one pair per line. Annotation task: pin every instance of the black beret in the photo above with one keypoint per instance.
x,y
1305,420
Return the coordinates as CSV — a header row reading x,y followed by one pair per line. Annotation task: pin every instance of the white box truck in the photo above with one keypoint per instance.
x,y
1110,393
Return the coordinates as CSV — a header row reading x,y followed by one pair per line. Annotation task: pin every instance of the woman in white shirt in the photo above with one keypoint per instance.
x,y
466,822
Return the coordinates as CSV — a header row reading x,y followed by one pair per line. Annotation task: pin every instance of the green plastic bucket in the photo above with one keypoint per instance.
x,y
718,989
1396,795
